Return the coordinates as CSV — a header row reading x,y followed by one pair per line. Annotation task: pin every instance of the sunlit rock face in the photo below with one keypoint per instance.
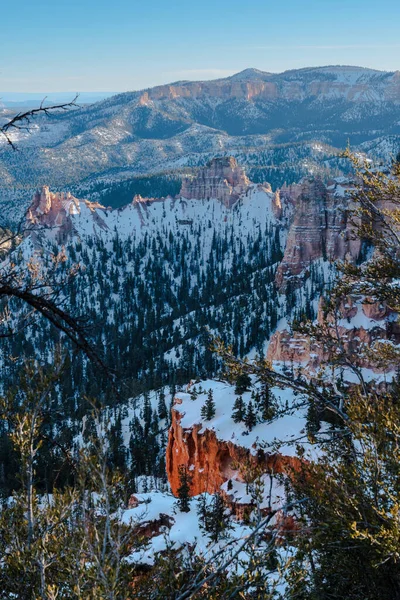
x,y
360,323
346,83
222,178
54,210
212,461
319,227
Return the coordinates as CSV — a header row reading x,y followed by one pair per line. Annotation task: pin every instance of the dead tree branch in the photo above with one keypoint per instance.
x,y
22,121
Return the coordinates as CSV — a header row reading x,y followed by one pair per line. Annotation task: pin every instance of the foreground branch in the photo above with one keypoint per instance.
x,y
22,121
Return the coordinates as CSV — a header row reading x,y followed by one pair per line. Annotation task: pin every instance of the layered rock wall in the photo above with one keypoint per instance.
x,y
351,84
319,227
361,323
222,178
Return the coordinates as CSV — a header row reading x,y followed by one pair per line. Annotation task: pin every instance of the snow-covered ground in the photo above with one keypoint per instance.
x,y
282,432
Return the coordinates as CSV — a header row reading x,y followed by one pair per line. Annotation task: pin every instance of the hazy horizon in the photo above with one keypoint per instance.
x,y
85,95
93,46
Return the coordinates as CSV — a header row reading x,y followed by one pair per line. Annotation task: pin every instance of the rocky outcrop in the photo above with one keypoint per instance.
x,y
211,461
291,348
319,227
277,208
49,208
361,324
54,210
221,178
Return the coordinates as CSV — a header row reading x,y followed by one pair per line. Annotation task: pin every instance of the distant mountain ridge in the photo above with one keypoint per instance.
x,y
289,124
356,84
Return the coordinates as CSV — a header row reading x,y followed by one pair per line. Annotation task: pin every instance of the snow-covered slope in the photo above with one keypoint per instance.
x,y
145,216
281,432
157,272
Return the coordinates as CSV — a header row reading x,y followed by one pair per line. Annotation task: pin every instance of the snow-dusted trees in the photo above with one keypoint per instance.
x,y
184,488
250,419
348,538
71,543
239,410
208,409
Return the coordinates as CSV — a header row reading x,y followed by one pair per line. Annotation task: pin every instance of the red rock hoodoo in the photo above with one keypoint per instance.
x,y
210,461
54,210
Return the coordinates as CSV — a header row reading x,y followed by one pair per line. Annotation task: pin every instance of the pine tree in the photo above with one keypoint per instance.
x,y
218,518
162,407
116,445
208,409
239,410
202,510
147,414
250,418
266,400
243,382
184,488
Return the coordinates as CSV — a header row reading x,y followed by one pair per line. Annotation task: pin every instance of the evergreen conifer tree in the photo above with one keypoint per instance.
x,y
147,414
117,450
208,409
266,400
184,488
218,518
250,418
162,407
239,410
202,510
243,383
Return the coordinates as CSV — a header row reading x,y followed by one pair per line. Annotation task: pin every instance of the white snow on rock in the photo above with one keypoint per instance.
x,y
185,528
281,432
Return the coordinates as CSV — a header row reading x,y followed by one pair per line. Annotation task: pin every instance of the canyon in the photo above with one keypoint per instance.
x,y
312,220
224,256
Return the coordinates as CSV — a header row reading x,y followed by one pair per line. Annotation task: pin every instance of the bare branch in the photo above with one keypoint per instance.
x,y
22,121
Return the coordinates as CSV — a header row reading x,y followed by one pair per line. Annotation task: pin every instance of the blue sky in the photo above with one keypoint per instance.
x,y
119,45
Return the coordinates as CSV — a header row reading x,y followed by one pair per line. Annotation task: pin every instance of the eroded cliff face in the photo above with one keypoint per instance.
x,y
212,461
361,324
222,178
319,227
54,210
314,215
350,84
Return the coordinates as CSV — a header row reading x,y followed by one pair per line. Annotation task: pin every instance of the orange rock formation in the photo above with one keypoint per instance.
x,y
54,210
210,461
298,348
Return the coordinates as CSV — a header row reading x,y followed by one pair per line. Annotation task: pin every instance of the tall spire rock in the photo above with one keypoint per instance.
x,y
221,178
